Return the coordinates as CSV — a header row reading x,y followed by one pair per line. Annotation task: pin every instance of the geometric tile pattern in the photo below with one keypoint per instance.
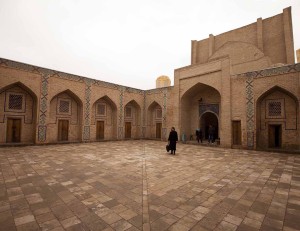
x,y
121,116
164,119
208,108
250,111
87,116
272,71
42,128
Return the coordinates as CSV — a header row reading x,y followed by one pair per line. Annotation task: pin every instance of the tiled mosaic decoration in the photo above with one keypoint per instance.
x,y
164,118
208,107
87,116
121,116
250,111
42,128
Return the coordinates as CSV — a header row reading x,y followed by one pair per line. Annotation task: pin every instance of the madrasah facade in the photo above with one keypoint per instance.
x,y
244,82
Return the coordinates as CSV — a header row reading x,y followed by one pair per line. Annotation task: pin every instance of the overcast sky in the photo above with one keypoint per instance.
x,y
128,42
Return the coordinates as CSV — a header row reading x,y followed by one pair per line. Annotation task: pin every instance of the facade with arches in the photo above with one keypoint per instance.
x,y
244,83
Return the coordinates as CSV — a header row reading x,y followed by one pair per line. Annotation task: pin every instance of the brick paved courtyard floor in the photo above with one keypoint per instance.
x,y
136,185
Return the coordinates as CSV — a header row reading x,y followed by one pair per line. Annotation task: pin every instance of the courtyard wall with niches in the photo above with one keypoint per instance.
x,y
48,85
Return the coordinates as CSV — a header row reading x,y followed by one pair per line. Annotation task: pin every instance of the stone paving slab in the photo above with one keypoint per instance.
x,y
136,185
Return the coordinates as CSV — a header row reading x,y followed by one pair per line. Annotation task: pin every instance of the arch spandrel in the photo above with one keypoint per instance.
x,y
108,100
153,104
71,94
21,85
267,91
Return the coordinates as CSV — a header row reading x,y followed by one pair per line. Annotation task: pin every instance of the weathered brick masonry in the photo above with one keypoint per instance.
x,y
243,82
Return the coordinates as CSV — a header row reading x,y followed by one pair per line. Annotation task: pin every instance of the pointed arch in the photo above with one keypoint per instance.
x,y
18,113
132,120
104,119
71,94
277,116
197,100
154,120
66,112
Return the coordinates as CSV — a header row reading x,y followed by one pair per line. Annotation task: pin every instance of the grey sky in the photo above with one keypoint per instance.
x,y
125,42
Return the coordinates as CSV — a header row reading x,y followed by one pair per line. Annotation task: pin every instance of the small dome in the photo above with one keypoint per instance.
x,y
163,81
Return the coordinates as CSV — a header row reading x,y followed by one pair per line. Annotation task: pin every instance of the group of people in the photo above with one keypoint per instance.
x,y
211,134
173,137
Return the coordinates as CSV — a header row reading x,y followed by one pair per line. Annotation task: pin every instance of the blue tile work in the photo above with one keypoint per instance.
x,y
87,111
42,128
121,114
250,111
208,107
164,119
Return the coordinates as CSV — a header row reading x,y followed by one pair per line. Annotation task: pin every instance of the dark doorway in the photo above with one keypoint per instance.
x,y
100,130
63,130
274,136
158,130
13,134
127,130
236,133
209,118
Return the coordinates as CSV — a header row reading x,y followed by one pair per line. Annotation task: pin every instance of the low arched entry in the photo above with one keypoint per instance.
x,y
206,119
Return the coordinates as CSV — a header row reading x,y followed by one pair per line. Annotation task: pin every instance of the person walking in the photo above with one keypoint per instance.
x,y
173,138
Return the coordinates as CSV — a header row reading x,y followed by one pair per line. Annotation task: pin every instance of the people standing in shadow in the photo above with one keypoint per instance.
x,y
199,135
211,132
173,138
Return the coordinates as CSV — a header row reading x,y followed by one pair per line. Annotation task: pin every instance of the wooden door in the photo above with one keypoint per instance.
x,y
236,133
100,130
63,130
158,130
274,136
13,134
127,130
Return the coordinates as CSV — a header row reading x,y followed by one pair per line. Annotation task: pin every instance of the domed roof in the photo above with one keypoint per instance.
x,y
163,81
163,78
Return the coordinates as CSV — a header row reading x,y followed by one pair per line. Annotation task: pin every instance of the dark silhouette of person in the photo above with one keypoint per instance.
x,y
173,138
199,135
211,133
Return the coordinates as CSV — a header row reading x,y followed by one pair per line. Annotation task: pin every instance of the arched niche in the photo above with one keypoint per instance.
x,y
277,116
104,119
196,101
154,121
132,120
65,120
18,114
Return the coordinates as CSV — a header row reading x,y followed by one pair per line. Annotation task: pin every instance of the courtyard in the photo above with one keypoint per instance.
x,y
137,185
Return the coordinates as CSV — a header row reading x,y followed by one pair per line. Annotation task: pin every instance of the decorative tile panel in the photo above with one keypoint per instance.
x,y
87,111
121,113
43,108
208,107
250,111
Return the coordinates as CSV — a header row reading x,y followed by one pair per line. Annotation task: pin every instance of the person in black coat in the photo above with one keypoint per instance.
x,y
173,138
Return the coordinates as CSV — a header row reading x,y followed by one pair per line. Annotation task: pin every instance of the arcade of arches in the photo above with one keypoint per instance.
x,y
242,83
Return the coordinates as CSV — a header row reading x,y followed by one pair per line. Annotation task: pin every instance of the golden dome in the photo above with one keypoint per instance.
x,y
163,81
